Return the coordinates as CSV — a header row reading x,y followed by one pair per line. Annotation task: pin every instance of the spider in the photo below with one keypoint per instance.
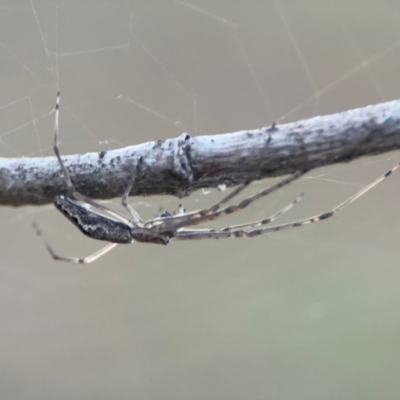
x,y
117,229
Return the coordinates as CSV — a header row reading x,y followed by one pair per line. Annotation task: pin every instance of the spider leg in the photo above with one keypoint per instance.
x,y
179,221
80,197
239,233
234,230
137,221
267,220
366,189
199,234
230,196
159,221
134,214
67,179
75,260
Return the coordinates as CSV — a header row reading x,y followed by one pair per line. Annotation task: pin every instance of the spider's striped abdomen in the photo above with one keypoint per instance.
x,y
94,225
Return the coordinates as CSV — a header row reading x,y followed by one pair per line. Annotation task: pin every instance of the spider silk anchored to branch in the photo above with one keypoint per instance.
x,y
118,229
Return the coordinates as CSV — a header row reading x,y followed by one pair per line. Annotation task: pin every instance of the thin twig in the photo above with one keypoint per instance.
x,y
184,164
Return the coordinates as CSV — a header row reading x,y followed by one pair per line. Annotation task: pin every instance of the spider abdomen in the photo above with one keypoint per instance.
x,y
94,225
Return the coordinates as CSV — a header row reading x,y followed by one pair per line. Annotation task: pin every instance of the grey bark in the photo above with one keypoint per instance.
x,y
182,165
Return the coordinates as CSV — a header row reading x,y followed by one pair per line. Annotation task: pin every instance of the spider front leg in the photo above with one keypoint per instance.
x,y
72,193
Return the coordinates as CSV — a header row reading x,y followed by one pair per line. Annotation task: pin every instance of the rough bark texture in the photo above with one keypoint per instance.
x,y
180,166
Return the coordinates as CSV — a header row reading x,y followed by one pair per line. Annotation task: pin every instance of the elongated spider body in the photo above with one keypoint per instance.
x,y
100,227
100,222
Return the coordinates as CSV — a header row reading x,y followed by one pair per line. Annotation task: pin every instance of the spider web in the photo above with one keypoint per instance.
x,y
134,71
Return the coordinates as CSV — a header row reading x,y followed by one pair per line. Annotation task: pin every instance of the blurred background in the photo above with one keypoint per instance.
x,y
311,313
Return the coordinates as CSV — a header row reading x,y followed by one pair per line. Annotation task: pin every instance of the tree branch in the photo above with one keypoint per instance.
x,y
180,166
